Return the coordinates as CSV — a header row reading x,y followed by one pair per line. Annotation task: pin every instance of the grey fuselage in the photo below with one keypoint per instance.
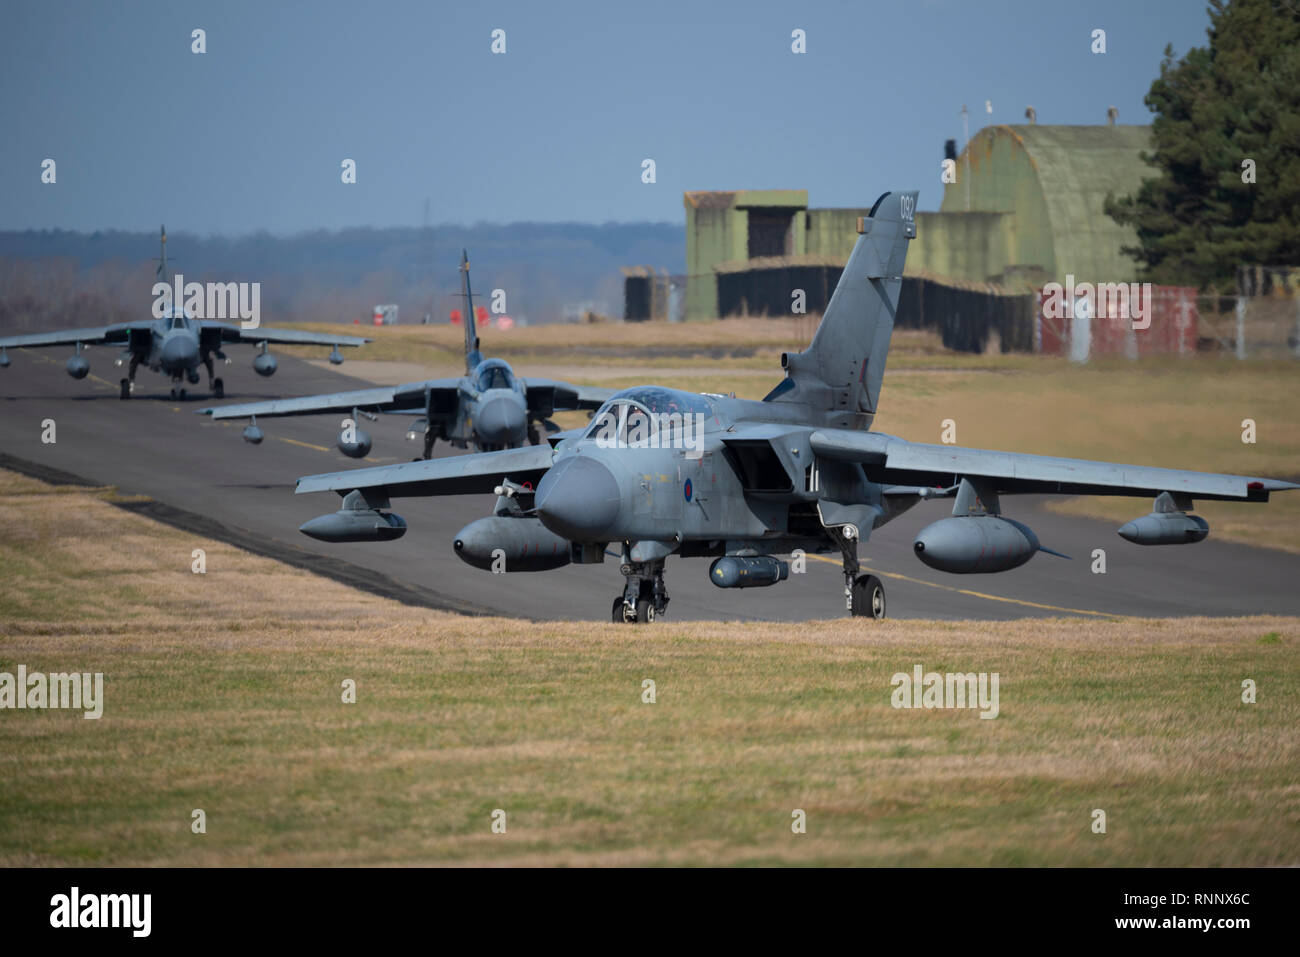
x,y
758,495
491,409
173,345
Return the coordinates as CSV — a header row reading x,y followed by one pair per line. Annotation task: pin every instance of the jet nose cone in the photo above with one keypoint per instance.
x,y
180,352
501,421
579,499
1129,531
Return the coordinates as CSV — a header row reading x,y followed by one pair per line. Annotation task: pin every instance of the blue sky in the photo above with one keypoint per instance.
x,y
250,136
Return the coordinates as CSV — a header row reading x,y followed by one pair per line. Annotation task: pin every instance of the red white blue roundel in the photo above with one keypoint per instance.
x,y
687,489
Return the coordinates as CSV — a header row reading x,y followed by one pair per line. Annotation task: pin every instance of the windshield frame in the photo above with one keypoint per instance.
x,y
493,374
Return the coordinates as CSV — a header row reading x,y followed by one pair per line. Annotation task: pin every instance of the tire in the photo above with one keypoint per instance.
x,y
126,389
218,389
868,597
645,611
181,395
617,613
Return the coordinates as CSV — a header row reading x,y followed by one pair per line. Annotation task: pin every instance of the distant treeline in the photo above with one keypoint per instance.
x,y
547,270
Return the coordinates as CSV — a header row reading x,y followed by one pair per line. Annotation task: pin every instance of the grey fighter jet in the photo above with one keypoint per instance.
x,y
661,472
489,406
175,343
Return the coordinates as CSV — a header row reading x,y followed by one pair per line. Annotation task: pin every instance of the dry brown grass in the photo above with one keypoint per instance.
x,y
223,693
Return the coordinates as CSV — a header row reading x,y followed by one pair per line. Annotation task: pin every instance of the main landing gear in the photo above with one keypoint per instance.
x,y
215,386
868,597
645,597
128,384
864,595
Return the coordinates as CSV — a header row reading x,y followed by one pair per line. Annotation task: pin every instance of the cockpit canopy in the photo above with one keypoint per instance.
x,y
493,374
650,411
175,317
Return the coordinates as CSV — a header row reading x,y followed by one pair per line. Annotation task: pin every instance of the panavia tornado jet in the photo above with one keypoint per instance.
x,y
489,406
661,472
174,342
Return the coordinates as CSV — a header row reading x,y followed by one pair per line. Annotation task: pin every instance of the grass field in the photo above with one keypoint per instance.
x,y
222,692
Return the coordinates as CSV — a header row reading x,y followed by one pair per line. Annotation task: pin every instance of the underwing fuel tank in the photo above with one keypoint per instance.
x,y
736,571
1165,528
355,443
971,544
356,521
512,544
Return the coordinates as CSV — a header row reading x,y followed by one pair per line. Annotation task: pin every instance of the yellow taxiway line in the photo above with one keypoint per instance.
x,y
976,594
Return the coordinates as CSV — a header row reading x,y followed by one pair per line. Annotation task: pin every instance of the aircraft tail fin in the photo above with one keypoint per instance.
x,y
162,254
472,356
841,370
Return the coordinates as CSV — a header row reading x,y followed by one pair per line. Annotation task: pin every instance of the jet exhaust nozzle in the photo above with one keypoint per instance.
x,y
975,544
735,571
511,544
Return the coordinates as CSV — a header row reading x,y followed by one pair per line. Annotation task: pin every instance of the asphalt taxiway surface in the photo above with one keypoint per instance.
x,y
204,477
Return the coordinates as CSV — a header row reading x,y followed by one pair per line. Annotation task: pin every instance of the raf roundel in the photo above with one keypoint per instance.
x,y
686,489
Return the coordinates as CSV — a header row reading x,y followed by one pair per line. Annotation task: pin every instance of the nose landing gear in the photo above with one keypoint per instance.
x,y
645,597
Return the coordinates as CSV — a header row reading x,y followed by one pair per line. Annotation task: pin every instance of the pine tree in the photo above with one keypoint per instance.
x,y
1216,108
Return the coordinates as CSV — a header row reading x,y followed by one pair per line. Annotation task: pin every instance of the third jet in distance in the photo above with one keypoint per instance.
x,y
174,342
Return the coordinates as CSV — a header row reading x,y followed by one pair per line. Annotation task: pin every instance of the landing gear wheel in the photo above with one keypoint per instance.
x,y
534,437
218,389
616,615
181,395
868,597
126,389
644,598
173,392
